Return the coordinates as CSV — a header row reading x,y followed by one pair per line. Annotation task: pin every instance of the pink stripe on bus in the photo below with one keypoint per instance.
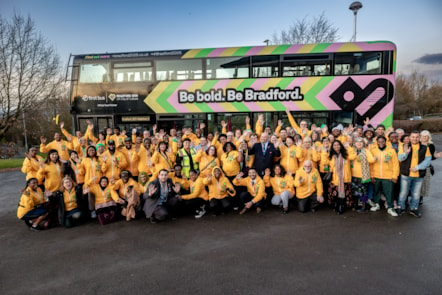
x,y
383,114
254,50
173,98
293,49
217,52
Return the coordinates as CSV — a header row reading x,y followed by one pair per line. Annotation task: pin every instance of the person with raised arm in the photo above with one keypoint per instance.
x,y
302,129
220,191
255,194
132,158
195,201
61,146
31,164
30,208
308,183
282,185
162,198
112,162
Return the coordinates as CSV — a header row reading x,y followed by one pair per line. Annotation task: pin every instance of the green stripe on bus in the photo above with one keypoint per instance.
x,y
245,84
281,49
209,85
311,94
394,66
388,122
320,47
242,51
284,83
240,107
162,99
204,52
204,107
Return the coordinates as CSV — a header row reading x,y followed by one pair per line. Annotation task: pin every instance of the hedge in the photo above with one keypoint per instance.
x,y
432,125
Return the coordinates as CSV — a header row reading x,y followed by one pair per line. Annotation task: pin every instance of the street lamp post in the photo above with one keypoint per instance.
x,y
355,6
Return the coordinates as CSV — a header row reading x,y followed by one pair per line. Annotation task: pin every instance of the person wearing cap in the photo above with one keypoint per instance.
x,y
113,162
132,157
384,173
100,148
117,137
337,132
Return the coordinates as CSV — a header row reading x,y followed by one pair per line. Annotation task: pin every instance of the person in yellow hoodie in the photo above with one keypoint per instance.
x,y
255,195
112,162
220,191
361,176
51,172
90,166
129,191
384,174
196,200
132,157
30,208
31,164
102,200
308,185
340,188
282,185
289,159
61,146
163,159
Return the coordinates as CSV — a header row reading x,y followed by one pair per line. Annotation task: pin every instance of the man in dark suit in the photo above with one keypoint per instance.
x,y
264,152
162,198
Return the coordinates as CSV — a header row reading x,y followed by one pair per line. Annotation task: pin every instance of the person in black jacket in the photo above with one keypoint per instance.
x,y
264,152
161,198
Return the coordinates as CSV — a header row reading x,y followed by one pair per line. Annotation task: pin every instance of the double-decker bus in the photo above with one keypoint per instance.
x,y
323,83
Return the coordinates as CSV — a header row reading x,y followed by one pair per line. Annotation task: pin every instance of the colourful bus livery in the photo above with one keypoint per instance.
x,y
322,83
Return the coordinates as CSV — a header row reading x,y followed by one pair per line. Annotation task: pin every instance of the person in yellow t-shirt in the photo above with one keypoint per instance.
x,y
414,159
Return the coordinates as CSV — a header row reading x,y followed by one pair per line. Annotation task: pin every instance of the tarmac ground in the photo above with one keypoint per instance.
x,y
266,253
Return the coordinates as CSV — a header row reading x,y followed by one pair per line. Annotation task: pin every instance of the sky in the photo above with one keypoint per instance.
x,y
95,26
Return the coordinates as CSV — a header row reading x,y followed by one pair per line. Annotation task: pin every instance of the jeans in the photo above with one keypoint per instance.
x,y
412,185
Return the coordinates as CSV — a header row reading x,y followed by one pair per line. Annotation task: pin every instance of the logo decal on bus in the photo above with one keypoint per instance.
x,y
233,95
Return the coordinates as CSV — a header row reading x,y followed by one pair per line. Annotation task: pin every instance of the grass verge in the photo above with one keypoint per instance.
x,y
11,163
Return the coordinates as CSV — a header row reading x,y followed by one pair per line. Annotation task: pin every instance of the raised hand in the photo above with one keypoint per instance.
x,y
280,123
240,175
367,121
247,120
152,190
61,125
202,126
43,139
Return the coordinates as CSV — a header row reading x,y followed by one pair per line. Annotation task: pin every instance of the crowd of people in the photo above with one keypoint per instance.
x,y
167,174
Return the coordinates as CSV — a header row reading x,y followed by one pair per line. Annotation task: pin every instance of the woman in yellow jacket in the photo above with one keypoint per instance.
x,y
30,208
289,161
90,166
50,171
230,160
31,164
220,191
196,200
340,188
360,170
207,161
282,185
103,200
163,159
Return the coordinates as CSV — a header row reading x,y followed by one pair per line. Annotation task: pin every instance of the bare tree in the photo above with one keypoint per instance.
x,y
29,69
304,31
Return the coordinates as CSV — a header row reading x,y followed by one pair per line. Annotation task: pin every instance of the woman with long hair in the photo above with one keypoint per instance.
x,y
163,158
90,166
30,208
207,161
70,213
340,185
51,172
289,160
426,139
360,169
282,185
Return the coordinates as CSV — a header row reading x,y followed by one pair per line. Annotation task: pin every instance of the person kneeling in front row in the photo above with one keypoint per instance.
x,y
255,194
309,189
162,198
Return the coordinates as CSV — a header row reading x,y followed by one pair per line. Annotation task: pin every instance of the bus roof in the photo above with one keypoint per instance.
x,y
251,50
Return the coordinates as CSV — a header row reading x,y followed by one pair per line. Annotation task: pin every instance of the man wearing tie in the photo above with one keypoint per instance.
x,y
264,152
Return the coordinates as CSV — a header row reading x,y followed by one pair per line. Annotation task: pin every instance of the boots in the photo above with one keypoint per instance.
x,y
340,206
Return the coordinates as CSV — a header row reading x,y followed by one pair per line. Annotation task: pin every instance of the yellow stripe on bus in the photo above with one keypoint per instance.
x,y
191,53
349,47
229,51
306,48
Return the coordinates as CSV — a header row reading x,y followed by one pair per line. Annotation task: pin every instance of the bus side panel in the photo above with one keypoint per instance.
x,y
370,96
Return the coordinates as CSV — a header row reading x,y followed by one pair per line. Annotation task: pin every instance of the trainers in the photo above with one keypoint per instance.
x,y
35,228
392,212
93,214
400,211
362,210
415,213
236,208
376,207
371,203
200,214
